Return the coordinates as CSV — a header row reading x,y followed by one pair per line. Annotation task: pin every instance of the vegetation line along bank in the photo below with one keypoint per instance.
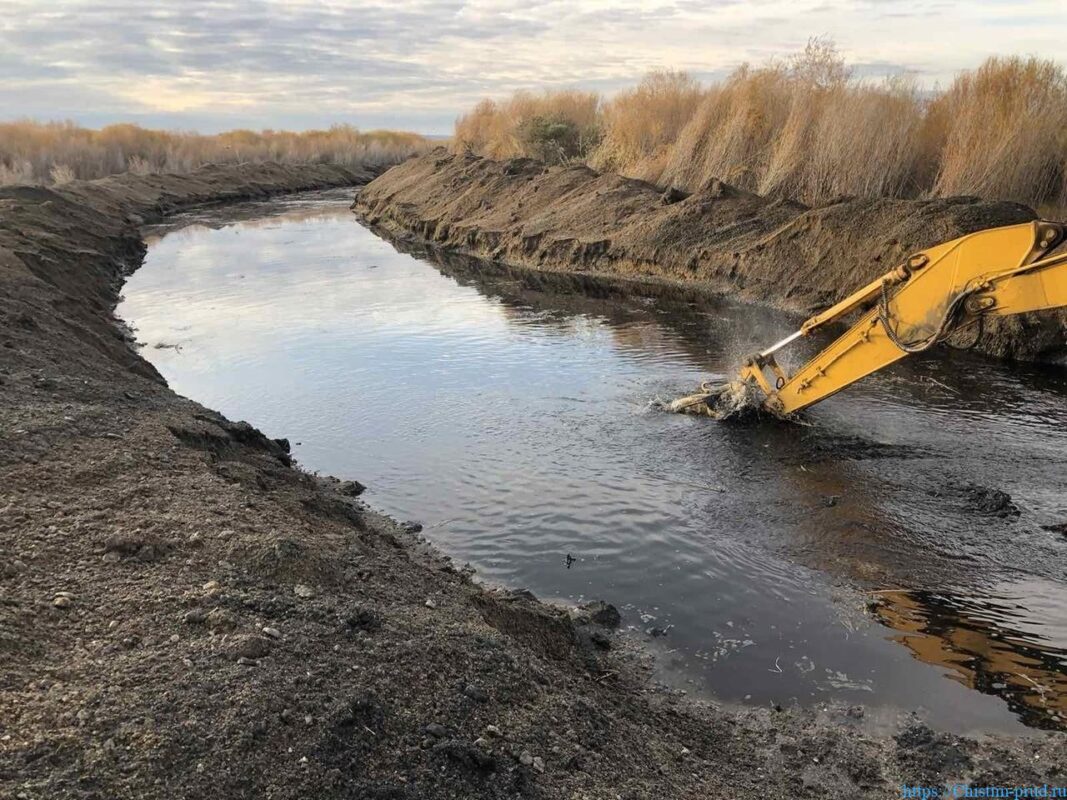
x,y
804,128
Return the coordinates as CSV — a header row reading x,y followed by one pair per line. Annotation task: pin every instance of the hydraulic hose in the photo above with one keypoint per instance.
x,y
950,322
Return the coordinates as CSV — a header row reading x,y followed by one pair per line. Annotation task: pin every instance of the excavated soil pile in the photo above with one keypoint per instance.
x,y
770,251
185,614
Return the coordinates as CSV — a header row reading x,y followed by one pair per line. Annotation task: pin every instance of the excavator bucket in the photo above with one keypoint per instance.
x,y
917,305
721,402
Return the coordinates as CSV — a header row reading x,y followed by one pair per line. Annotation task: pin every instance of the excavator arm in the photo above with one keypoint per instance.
x,y
935,293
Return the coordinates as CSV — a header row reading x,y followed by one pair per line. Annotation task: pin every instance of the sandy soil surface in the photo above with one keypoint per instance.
x,y
186,614
771,251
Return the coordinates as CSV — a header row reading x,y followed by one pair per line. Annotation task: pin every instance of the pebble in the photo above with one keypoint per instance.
x,y
303,591
112,557
526,759
493,730
211,587
175,638
195,617
538,764
481,741
430,603
62,601
246,662
273,633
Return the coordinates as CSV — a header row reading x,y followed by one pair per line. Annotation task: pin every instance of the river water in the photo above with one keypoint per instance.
x,y
857,557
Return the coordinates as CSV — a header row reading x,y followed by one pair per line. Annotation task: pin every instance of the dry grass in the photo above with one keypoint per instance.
x,y
804,130
732,135
807,129
1005,131
554,126
641,124
846,140
58,152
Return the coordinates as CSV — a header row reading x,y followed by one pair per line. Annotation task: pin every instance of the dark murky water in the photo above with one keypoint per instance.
x,y
510,413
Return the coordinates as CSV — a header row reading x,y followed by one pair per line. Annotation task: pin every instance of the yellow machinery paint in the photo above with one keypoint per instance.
x,y
936,292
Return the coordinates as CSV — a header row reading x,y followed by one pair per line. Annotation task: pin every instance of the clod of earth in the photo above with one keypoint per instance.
x,y
601,613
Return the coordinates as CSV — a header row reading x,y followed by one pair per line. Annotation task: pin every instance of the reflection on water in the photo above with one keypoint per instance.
x,y
509,412
992,643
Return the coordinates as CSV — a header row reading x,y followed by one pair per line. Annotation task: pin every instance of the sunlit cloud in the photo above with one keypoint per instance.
x,y
214,64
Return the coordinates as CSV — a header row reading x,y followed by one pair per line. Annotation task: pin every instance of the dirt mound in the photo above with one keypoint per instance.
x,y
771,251
184,614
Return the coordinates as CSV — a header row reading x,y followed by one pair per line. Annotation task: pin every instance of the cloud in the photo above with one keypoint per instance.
x,y
417,64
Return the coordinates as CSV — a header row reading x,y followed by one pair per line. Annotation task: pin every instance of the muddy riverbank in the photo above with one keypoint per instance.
x,y
771,251
184,613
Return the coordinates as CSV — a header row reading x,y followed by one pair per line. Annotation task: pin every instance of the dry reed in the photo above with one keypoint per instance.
x,y
58,152
807,129
641,124
1006,133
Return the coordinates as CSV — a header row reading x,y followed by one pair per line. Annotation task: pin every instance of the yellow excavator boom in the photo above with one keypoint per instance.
x,y
933,294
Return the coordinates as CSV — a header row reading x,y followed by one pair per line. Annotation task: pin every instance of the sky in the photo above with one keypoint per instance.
x,y
211,65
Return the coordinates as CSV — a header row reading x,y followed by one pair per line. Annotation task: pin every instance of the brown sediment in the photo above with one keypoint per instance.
x,y
185,614
771,251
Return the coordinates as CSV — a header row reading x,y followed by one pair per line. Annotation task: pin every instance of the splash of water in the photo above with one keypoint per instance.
x,y
726,401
